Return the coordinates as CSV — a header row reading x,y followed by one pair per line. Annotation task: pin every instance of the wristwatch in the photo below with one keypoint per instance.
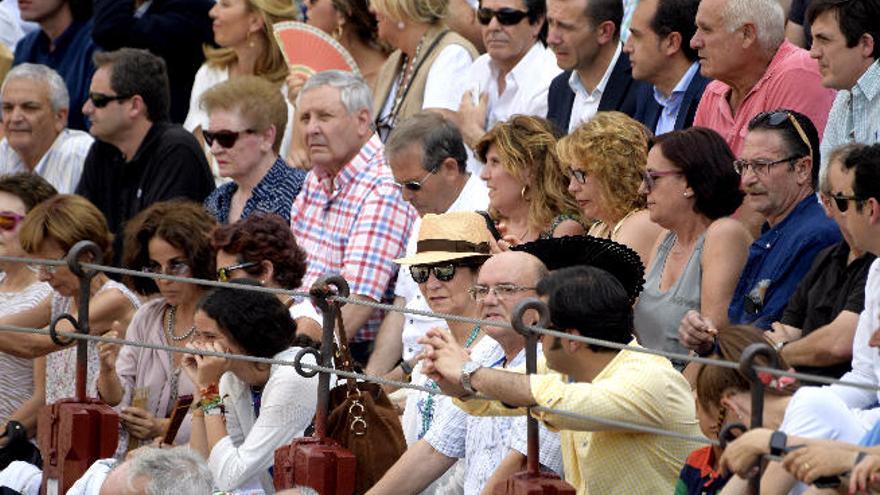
x,y
779,345
407,370
467,371
777,443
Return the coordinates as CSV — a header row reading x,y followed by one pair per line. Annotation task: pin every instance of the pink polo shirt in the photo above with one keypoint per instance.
x,y
791,81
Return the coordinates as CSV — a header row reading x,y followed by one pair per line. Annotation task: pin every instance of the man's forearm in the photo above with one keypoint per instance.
x,y
513,389
419,466
826,346
355,316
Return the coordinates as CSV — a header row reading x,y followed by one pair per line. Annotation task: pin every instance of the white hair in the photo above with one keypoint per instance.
x,y
58,96
353,90
767,16
174,471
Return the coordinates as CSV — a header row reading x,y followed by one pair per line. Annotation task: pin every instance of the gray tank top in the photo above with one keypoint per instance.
x,y
658,313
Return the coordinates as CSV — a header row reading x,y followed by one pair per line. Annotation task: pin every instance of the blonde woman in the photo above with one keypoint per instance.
x,y
527,186
606,161
243,31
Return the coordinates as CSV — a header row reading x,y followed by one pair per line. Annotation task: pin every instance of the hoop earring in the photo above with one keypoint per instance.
x,y
337,33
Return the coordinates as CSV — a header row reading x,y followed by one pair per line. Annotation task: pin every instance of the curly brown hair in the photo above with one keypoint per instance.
x,y
527,148
613,149
183,224
264,237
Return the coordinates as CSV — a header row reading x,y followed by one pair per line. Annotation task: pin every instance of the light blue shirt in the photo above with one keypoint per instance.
x,y
855,115
672,104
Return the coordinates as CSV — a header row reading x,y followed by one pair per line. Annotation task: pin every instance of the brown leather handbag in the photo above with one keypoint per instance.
x,y
363,420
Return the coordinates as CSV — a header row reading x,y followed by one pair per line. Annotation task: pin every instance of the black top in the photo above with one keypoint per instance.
x,y
168,164
831,286
172,29
621,93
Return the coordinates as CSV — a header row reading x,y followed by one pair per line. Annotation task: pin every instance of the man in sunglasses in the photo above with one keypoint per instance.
x,y
585,36
514,74
35,106
846,44
349,217
428,160
778,177
139,158
742,45
659,50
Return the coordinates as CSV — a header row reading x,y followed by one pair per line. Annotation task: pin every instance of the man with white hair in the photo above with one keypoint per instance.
x,y
741,44
350,217
35,106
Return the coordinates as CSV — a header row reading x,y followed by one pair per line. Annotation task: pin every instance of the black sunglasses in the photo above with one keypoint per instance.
x,y
100,100
505,16
443,273
842,201
223,272
226,139
416,185
779,117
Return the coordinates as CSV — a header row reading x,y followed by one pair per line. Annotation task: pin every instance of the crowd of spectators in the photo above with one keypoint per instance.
x,y
674,176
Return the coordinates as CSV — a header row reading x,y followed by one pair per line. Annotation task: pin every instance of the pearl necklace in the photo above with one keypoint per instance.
x,y
169,329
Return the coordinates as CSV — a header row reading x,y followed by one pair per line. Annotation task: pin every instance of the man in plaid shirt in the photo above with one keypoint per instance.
x,y
350,216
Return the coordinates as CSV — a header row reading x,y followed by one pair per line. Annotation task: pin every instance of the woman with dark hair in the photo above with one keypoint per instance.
x,y
691,187
174,238
527,187
262,247
245,410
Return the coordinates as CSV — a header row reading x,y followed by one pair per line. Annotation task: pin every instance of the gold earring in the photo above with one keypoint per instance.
x,y
523,192
337,33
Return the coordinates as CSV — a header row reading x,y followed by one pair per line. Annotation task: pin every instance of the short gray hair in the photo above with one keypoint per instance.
x,y
353,90
767,16
58,96
171,472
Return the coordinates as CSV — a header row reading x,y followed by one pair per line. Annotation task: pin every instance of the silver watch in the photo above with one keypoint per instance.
x,y
467,371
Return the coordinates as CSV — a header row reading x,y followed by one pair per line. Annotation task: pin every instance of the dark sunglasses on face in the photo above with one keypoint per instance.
x,y
226,139
842,201
100,100
443,273
224,271
505,16
415,185
9,220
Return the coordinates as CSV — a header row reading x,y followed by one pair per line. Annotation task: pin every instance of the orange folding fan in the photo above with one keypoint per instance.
x,y
308,49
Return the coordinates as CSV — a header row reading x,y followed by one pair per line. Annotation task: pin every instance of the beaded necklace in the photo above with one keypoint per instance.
x,y
404,80
428,410
169,329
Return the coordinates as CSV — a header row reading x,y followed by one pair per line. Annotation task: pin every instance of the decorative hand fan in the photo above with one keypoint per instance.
x,y
309,50
613,257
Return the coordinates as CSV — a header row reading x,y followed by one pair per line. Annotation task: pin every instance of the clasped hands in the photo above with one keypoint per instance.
x,y
443,360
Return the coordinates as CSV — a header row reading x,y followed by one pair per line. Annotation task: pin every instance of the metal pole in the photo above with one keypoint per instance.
x,y
747,367
516,320
320,292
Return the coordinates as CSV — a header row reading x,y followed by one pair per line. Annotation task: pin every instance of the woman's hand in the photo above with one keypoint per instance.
x,y
295,81
865,474
205,370
814,461
108,352
141,424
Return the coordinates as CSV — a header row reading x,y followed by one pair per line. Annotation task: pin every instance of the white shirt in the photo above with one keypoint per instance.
x,y
474,196
586,103
525,88
866,359
207,77
62,164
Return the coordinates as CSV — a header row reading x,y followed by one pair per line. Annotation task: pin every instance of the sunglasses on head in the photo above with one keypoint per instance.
x,y
9,220
841,201
225,138
779,117
505,16
100,100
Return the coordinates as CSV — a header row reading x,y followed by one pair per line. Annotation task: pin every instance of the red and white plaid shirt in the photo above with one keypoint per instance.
x,y
354,228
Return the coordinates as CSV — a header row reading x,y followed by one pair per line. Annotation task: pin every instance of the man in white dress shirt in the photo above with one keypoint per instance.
x,y
513,76
427,158
35,105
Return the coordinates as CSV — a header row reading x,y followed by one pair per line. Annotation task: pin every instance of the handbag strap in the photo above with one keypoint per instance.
x,y
343,354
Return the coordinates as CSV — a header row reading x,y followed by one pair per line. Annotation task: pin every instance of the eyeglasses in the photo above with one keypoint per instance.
x,y
177,268
415,185
759,167
502,291
578,174
443,273
776,119
224,271
649,177
226,139
100,100
841,201
9,220
505,16
46,269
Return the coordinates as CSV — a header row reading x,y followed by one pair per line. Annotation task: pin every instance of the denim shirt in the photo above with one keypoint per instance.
x,y
778,260
274,194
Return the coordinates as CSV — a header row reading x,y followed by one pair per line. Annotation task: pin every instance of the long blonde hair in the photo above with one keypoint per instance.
x,y
271,64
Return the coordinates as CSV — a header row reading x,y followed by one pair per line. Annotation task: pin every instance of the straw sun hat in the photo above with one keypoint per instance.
x,y
449,237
